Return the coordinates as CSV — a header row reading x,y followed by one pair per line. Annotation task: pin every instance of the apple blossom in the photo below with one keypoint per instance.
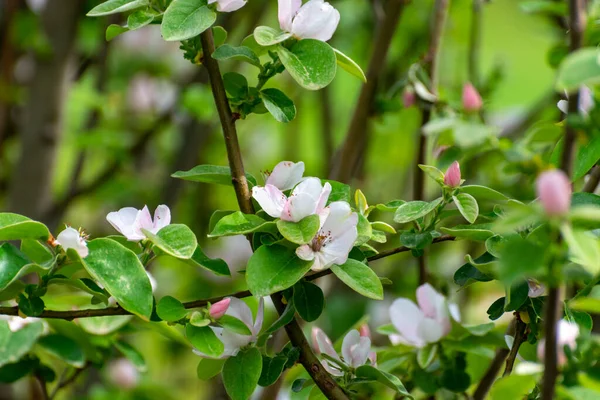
x,y
228,5
285,175
471,99
308,198
234,341
130,221
219,309
356,350
16,323
316,19
452,175
426,323
554,191
586,102
71,238
334,240
536,289
123,374
567,333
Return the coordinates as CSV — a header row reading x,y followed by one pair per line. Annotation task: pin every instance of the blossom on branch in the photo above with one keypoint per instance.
x,y
234,341
554,191
228,5
71,238
452,175
130,221
356,350
426,323
308,198
334,240
285,175
316,19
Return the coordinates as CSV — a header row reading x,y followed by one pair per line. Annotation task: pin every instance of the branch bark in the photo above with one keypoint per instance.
x,y
520,337
553,310
490,375
30,191
357,136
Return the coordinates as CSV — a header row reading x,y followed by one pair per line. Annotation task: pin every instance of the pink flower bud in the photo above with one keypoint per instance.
x,y
219,309
408,97
452,176
364,331
471,99
554,191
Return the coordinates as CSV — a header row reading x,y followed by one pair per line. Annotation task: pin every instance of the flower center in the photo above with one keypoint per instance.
x,y
321,240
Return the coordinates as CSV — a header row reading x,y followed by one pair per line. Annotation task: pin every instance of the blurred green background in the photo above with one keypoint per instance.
x,y
135,111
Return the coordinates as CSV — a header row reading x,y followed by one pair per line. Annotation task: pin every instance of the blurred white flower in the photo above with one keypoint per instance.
x,y
316,19
71,238
234,341
567,333
147,94
16,323
123,374
130,221
536,289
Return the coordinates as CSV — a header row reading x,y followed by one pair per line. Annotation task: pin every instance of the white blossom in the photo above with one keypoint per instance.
x,y
130,221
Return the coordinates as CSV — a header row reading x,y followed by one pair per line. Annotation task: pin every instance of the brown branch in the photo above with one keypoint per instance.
x,y
553,309
353,147
520,337
593,180
66,382
490,375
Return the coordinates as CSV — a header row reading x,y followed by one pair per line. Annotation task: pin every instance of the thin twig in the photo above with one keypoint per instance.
x,y
490,375
66,382
309,360
520,337
112,311
593,180
553,309
43,387
353,147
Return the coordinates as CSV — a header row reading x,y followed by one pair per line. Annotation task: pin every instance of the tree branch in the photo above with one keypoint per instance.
x,y
520,337
490,375
112,311
593,180
553,310
356,138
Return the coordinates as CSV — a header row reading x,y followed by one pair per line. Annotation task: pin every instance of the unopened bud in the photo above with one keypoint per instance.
x,y
554,191
219,309
471,99
364,330
452,176
408,97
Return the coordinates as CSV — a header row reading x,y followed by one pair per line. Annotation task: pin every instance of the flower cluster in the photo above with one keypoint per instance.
x,y
338,222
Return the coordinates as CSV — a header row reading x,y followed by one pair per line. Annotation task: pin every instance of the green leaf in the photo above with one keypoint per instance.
x,y
64,348
14,345
18,227
280,106
339,191
116,6
274,268
241,373
467,205
578,68
120,272
310,62
209,368
114,30
300,232
433,172
584,248
210,174
176,240
215,265
483,193
235,325
416,240
103,325
516,296
587,304
364,230
205,340
197,319
12,372
132,354
426,355
468,273
478,232
185,19
587,156
512,387
520,258
239,223
496,309
140,18
12,264
385,378
37,252
348,64
236,84
413,210
170,309
32,306
360,278
308,300
241,53
266,36
286,317
544,6
272,367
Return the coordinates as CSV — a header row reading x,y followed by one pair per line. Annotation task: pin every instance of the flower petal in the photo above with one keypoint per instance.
x,y
430,330
260,316
298,207
305,253
350,340
286,175
271,199
123,221
143,220
316,20
286,12
325,345
70,238
429,300
240,310
406,317
162,218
